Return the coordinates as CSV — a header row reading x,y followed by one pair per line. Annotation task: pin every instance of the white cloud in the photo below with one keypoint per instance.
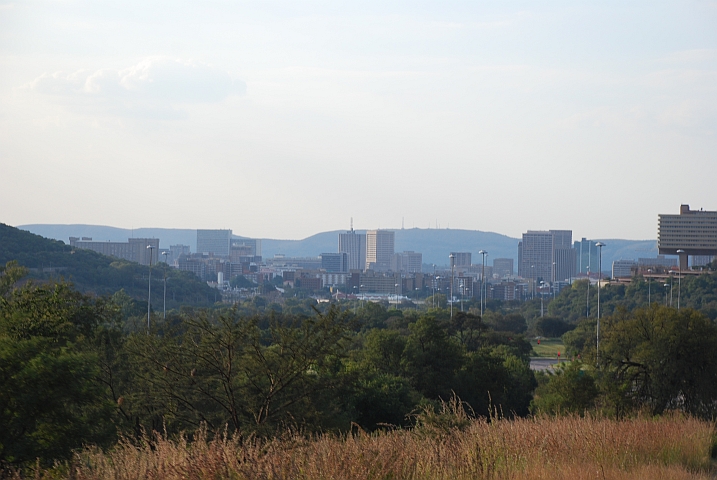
x,y
154,84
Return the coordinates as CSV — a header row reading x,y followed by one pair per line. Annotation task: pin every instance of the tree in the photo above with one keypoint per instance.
x,y
660,358
552,327
223,369
512,322
51,400
431,358
571,389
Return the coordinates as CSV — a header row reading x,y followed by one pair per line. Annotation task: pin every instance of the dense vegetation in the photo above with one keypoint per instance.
x,y
80,369
91,272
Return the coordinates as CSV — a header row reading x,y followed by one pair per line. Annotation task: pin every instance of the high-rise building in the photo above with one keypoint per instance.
x,y
335,262
461,259
175,251
692,231
408,262
586,253
353,244
216,242
379,249
503,267
546,255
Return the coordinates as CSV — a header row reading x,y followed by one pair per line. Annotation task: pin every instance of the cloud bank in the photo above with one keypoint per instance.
x,y
156,83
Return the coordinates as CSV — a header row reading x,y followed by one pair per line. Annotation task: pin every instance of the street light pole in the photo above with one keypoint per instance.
x,y
149,291
482,282
679,278
452,259
433,298
649,286
164,309
587,310
597,349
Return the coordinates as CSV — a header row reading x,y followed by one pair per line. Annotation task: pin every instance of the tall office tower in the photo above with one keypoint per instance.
x,y
503,267
586,253
462,259
379,249
353,244
546,255
217,242
692,231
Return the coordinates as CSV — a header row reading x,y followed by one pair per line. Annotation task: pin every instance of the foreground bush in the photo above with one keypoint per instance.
x,y
539,448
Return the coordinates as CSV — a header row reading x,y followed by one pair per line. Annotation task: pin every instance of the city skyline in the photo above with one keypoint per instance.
x,y
268,117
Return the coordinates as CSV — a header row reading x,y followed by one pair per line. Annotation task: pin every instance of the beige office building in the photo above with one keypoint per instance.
x,y
379,250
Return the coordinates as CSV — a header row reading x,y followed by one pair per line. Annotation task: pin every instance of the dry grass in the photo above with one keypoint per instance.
x,y
542,448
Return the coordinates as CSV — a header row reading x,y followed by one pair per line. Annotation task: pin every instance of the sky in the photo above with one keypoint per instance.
x,y
281,119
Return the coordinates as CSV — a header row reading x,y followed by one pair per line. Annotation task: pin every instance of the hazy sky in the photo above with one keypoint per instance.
x,y
281,119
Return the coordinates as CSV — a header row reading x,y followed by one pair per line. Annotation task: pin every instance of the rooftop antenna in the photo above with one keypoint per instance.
x,y
352,224
401,223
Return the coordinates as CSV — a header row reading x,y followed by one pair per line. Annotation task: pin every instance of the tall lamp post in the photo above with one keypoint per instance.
x,y
164,309
649,286
482,282
452,260
433,298
534,278
149,291
679,279
463,290
540,290
597,344
587,309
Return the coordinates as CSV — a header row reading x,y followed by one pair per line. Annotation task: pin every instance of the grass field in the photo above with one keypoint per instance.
x,y
548,347
440,447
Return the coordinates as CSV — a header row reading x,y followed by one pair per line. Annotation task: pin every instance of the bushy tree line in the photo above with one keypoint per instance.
x,y
654,359
78,369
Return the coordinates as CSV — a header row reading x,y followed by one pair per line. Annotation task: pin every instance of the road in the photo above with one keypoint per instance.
x,y
542,363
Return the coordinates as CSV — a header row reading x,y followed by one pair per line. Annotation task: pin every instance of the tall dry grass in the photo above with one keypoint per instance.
x,y
540,448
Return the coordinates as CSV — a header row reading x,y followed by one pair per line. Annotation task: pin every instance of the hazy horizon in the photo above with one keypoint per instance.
x,y
281,119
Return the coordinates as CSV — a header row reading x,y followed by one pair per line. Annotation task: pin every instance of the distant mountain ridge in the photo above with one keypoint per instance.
x,y
434,244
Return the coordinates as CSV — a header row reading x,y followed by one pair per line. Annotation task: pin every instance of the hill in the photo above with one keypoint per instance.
x,y
92,272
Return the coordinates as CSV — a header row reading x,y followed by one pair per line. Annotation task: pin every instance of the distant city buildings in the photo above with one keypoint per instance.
x,y
546,255
623,268
134,250
461,259
407,262
216,242
503,267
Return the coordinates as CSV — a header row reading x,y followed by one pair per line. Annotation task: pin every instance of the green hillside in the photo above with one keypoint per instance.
x,y
92,272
